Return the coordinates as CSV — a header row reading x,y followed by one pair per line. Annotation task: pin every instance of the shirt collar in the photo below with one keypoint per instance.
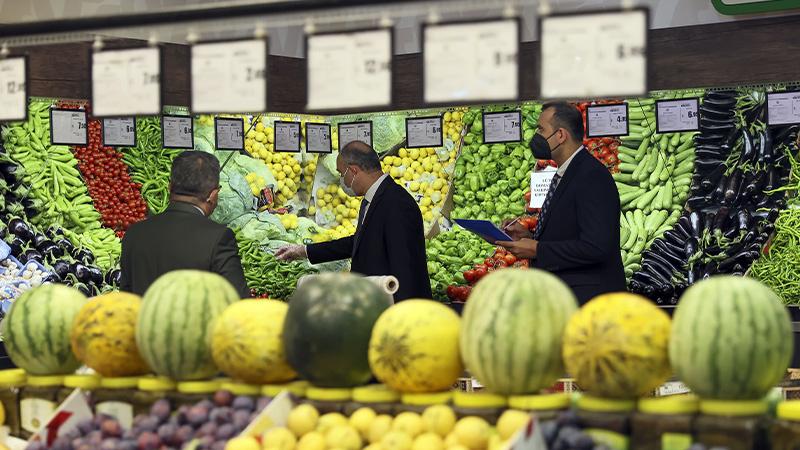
x,y
374,188
562,169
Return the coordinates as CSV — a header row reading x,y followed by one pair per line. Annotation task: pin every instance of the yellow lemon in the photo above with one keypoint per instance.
x,y
279,439
409,423
407,161
242,443
374,447
312,210
261,137
396,440
414,153
473,432
302,419
395,172
427,216
321,203
381,425
330,420
402,153
428,441
344,437
414,186
451,440
361,420
312,441
495,443
439,419
510,422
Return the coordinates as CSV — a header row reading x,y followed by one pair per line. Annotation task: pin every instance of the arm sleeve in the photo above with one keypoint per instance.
x,y
403,232
330,251
126,283
226,262
598,212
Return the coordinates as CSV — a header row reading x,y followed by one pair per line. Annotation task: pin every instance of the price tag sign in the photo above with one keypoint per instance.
x,y
119,132
474,61
68,127
540,184
178,132
229,77
677,115
13,88
349,70
607,120
126,82
229,133
287,136
318,138
783,108
355,131
501,127
424,132
601,54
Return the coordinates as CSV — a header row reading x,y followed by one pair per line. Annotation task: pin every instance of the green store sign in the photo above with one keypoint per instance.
x,y
744,7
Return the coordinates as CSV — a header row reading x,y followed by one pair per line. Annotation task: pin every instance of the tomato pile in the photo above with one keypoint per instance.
x,y
499,260
605,148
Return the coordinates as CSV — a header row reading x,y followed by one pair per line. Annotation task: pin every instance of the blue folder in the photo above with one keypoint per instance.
x,y
485,229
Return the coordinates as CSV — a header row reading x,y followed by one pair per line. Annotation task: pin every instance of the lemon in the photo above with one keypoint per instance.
x,y
312,441
259,126
407,161
448,116
312,210
302,419
472,432
414,186
374,447
457,447
425,201
428,441
279,439
343,436
260,137
427,216
396,440
451,440
409,423
439,419
496,443
381,425
409,175
414,153
395,172
330,420
242,443
510,422
361,420
321,203
403,153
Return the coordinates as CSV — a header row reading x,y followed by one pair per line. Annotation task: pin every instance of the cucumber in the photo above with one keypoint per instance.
x,y
646,199
656,173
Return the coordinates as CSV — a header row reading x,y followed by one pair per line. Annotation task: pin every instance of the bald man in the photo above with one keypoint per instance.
x,y
390,237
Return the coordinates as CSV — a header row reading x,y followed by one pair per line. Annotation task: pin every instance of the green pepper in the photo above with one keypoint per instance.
x,y
496,219
476,209
432,253
520,174
458,199
500,209
470,255
468,157
516,195
460,171
525,166
489,207
501,185
477,125
493,190
516,164
474,183
516,209
468,138
528,135
510,170
481,195
459,278
470,196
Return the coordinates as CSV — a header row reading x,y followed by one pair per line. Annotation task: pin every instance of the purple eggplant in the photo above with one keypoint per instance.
x,y
19,228
85,256
81,272
61,268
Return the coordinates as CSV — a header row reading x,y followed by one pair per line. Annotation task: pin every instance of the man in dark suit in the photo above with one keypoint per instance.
x,y
183,237
577,236
390,237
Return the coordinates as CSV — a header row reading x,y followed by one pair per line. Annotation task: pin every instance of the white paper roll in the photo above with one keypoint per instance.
x,y
387,283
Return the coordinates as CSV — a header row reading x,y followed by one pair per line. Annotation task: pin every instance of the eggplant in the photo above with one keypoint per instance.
x,y
677,250
674,260
747,146
696,224
744,219
52,277
84,289
785,134
766,146
85,256
773,214
772,180
732,188
721,219
33,255
19,228
709,111
660,267
95,275
754,113
54,231
49,248
707,165
708,221
710,269
709,139
692,274
38,238
61,268
711,123
719,191
708,154
684,226
114,277
67,246
648,278
673,238
755,182
17,246
81,272
690,248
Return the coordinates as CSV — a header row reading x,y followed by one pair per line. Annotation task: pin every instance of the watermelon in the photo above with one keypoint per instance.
x,y
328,326
174,321
731,338
414,347
104,335
36,330
616,346
512,329
246,342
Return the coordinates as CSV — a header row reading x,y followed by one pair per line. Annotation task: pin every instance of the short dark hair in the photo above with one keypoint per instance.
x,y
566,116
195,174
361,155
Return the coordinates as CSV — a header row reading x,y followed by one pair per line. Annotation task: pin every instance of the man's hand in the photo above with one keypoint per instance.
x,y
522,249
291,253
516,230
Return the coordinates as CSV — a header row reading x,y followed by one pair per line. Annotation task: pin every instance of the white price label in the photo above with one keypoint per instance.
x,y
178,132
119,132
287,136
318,138
502,127
783,108
13,88
68,127
349,70
677,115
540,185
126,82
471,61
229,134
355,131
424,132
607,120
594,55
229,77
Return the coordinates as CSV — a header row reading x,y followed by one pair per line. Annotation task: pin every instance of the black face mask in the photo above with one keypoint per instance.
x,y
541,148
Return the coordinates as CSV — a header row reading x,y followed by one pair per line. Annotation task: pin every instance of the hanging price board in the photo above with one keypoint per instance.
x,y
126,82
318,138
119,132
594,55
424,132
355,131
677,115
471,61
178,132
229,77
349,70
229,133
783,108
501,127
13,88
68,127
287,136
607,120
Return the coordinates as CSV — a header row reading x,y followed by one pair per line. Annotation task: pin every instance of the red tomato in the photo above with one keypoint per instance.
x,y
510,259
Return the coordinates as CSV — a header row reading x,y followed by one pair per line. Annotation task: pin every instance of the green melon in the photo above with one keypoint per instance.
x,y
328,326
731,338
173,331
36,331
512,330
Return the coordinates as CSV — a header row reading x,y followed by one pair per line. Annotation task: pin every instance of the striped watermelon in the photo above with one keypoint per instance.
x,y
731,338
512,330
36,330
175,319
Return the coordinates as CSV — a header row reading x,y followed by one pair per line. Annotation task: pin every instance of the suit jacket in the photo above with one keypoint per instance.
x,y
179,238
579,241
390,241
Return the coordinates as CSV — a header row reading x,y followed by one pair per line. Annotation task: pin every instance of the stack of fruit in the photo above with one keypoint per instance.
x,y
285,167
289,221
423,171
256,182
340,210
499,260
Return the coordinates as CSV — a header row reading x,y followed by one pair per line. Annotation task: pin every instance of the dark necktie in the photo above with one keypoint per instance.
x,y
545,206
362,211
